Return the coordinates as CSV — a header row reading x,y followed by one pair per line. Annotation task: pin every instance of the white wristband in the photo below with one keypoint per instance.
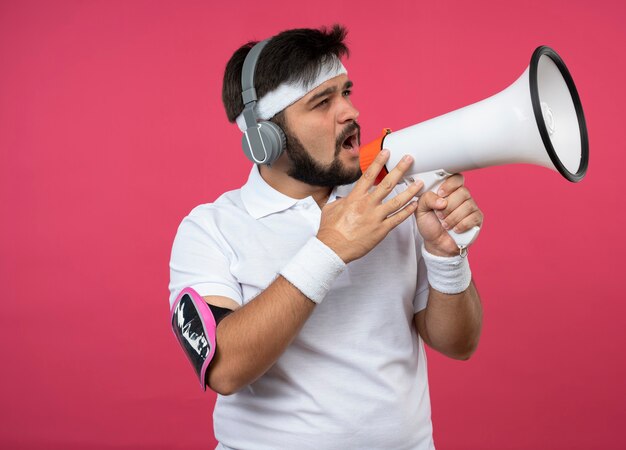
x,y
313,269
448,275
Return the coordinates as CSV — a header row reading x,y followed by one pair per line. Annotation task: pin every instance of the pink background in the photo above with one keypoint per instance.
x,y
112,129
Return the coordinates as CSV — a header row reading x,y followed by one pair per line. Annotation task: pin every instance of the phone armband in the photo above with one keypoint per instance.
x,y
194,323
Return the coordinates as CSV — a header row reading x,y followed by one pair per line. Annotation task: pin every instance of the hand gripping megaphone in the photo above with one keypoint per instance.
x,y
536,120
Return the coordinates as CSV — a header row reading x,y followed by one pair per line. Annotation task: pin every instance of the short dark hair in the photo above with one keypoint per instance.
x,y
291,56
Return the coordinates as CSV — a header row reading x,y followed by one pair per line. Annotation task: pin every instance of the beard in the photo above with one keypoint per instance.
x,y
304,168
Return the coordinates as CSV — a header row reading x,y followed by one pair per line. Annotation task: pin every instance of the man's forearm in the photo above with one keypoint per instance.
x,y
252,338
452,323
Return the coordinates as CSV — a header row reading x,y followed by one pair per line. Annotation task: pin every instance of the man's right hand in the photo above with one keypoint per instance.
x,y
354,225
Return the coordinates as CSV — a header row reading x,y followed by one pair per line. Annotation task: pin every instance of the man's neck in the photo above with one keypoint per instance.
x,y
293,188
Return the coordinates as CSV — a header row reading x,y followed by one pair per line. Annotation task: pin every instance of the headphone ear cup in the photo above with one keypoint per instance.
x,y
264,143
274,140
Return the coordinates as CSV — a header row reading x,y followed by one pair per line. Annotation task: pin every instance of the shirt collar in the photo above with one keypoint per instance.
x,y
260,199
340,192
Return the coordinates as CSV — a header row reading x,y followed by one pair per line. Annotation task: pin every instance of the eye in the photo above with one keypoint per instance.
x,y
347,93
322,103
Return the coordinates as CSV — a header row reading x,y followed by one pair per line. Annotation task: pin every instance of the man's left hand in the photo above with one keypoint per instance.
x,y
452,208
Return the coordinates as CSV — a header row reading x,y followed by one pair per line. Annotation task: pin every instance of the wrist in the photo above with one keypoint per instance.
x,y
314,269
335,242
439,249
447,274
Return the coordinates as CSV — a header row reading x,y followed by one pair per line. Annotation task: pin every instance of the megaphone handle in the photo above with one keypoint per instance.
x,y
432,181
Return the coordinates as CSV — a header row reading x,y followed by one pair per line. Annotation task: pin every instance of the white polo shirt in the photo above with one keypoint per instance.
x,y
355,376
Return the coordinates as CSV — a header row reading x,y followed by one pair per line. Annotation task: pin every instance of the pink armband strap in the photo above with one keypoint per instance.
x,y
194,325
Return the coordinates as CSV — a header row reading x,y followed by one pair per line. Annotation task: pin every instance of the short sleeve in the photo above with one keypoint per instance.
x,y
422,289
200,260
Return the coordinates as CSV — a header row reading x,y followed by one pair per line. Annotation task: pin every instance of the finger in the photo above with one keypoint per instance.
x,y
368,178
391,179
461,212
397,202
451,184
430,201
455,199
396,219
473,220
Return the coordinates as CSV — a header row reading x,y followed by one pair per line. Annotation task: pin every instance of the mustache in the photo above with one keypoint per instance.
x,y
347,131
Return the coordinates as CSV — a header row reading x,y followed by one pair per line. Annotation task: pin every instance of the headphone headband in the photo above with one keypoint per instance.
x,y
247,76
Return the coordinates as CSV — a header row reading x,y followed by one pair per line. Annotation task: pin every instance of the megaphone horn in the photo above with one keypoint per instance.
x,y
536,120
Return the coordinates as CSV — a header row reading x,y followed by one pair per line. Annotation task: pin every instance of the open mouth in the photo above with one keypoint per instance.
x,y
351,142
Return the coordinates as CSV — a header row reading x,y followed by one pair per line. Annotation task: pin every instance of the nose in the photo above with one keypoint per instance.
x,y
347,111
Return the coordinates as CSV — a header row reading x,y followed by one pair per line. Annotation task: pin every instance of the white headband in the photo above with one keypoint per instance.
x,y
288,93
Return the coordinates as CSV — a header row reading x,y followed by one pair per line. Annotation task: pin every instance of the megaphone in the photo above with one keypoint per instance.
x,y
537,120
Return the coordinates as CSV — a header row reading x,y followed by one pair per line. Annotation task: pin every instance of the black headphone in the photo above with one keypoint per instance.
x,y
263,142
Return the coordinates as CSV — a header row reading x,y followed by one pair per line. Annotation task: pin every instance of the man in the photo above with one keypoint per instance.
x,y
334,283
